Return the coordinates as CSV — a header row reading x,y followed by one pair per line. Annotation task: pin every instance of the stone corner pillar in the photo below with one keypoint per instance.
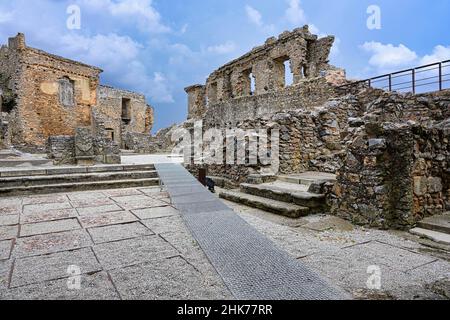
x,y
196,101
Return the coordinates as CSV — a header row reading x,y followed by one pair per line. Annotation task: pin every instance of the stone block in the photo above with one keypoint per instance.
x,y
130,252
32,229
53,266
119,232
420,186
106,219
50,243
434,185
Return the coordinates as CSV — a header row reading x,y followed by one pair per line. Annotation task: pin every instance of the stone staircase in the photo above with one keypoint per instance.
x,y
290,196
436,228
66,179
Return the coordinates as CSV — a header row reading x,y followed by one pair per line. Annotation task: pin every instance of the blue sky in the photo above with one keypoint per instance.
x,y
158,47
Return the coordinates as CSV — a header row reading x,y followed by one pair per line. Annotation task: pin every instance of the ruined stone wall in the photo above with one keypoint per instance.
x,y
394,175
396,168
309,140
139,119
312,93
228,93
53,95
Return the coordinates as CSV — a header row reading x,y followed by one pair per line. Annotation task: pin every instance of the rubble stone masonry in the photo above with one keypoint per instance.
x,y
53,95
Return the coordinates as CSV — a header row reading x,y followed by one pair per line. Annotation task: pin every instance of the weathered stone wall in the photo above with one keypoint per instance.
x,y
312,93
53,95
394,175
310,140
139,118
229,94
396,168
196,101
61,149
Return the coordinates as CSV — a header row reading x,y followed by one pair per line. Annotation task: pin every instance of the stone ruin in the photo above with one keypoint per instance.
x,y
390,151
50,102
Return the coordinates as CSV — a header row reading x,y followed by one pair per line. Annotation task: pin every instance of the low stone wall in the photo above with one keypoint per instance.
x,y
61,149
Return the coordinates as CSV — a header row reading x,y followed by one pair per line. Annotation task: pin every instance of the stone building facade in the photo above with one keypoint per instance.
x,y
50,96
123,112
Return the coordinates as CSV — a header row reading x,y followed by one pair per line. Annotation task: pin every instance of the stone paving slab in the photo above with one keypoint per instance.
x,y
130,252
250,264
53,266
165,224
119,232
50,243
88,202
33,229
382,254
121,192
171,279
154,213
86,196
5,268
9,220
37,208
106,219
98,209
8,232
5,249
43,199
49,215
151,203
10,207
95,286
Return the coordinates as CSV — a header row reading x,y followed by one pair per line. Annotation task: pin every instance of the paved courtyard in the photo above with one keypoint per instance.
x,y
133,244
127,244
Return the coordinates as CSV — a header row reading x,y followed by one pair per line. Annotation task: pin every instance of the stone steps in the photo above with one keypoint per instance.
x,y
285,192
27,181
68,179
438,237
435,228
288,196
282,208
74,169
440,223
78,186
308,178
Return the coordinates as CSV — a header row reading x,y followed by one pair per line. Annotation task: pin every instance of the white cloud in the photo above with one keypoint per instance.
x,y
440,53
295,14
6,16
224,48
254,15
141,12
119,57
184,29
388,56
160,89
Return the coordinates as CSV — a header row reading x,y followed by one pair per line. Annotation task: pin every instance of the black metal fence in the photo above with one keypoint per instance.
x,y
423,79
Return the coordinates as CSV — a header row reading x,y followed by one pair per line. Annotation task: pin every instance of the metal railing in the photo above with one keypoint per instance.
x,y
423,79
